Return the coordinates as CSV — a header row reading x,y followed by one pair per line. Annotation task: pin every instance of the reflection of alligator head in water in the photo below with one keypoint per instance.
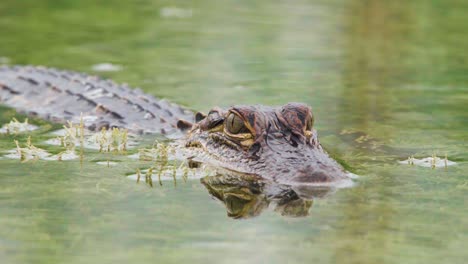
x,y
246,197
277,144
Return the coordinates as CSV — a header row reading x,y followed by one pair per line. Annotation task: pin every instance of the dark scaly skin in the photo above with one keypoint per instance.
x,y
58,96
278,144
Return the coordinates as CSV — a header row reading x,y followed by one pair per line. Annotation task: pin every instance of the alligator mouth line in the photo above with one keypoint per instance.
x,y
224,140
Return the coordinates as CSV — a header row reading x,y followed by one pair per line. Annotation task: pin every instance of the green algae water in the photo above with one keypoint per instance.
x,y
386,80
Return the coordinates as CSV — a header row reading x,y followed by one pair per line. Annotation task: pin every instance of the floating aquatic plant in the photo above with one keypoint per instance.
x,y
138,175
148,178
114,140
170,172
430,162
16,127
27,152
107,163
164,163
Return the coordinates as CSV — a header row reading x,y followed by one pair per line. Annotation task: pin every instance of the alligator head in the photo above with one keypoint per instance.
x,y
274,143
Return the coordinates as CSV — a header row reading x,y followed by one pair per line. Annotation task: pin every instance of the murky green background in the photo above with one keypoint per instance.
x,y
394,70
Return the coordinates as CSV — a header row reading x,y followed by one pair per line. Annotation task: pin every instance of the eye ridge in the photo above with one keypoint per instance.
x,y
310,124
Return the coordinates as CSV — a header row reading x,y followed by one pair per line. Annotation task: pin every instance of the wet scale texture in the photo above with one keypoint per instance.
x,y
59,95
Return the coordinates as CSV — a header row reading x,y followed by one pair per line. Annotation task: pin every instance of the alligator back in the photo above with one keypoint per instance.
x,y
58,96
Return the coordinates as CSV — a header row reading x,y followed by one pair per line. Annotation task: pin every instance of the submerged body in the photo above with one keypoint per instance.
x,y
273,143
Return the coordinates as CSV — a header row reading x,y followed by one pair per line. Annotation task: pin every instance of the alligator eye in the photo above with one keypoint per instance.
x,y
235,125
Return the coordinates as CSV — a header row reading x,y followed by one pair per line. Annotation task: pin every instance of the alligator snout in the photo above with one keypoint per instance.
x,y
318,173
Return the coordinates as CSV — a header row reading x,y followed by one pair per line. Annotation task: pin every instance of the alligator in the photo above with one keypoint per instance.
x,y
278,144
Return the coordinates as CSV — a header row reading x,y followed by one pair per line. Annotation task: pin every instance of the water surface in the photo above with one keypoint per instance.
x,y
394,73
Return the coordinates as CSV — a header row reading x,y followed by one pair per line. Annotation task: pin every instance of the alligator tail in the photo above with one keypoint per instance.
x,y
61,96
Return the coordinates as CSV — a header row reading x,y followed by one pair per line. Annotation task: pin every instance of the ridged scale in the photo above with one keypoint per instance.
x,y
59,95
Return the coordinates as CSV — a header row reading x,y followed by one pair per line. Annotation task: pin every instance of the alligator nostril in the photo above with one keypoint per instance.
x,y
199,116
